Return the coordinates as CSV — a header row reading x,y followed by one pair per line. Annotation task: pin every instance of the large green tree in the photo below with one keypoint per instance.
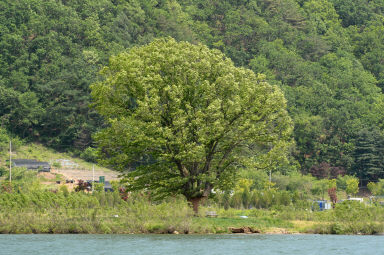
x,y
182,118
369,153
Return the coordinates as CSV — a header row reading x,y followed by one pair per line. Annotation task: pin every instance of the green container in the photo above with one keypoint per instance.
x,y
101,179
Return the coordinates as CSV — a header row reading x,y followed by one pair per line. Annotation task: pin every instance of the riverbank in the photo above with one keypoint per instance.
x,y
27,206
64,212
24,223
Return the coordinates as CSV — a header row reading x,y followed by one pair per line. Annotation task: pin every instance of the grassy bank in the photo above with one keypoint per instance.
x,y
42,211
70,212
21,150
27,206
346,218
61,212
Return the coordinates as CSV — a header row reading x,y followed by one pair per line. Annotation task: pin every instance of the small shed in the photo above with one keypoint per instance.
x,y
32,164
322,205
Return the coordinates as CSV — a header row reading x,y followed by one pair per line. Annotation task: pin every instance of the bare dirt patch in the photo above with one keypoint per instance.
x,y
46,175
81,174
73,174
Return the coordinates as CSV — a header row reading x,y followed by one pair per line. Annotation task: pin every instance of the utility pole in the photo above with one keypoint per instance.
x,y
10,161
93,177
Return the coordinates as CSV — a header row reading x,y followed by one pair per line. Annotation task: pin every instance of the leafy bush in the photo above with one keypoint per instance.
x,y
5,137
3,171
376,189
89,154
56,165
4,140
342,181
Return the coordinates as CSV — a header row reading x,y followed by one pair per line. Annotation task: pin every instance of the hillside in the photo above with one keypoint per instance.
x,y
64,166
327,56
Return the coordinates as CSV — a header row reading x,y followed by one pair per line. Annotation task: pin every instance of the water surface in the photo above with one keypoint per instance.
x,y
190,244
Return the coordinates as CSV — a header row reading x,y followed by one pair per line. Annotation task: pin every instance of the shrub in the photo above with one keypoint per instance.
x,y
3,171
376,189
56,165
89,154
64,189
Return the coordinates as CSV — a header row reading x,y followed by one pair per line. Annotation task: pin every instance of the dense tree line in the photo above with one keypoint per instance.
x,y
326,55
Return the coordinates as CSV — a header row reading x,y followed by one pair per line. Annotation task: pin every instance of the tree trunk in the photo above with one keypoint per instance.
x,y
195,203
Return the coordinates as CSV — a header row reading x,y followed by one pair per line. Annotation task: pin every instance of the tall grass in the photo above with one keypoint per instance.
x,y
42,211
26,206
47,212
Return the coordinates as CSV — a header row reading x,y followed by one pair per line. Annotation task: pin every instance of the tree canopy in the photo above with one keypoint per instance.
x,y
183,118
327,56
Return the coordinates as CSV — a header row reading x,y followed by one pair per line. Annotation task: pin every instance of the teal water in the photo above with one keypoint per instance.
x,y
190,244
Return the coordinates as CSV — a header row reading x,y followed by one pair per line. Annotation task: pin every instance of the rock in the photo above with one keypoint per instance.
x,y
254,231
245,230
175,232
236,230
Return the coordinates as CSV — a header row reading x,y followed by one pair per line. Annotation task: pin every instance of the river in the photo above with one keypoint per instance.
x,y
190,244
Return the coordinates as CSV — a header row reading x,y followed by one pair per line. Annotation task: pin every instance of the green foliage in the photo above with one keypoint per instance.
x,y
23,180
99,187
377,189
341,182
5,138
70,212
64,189
3,170
42,211
326,55
369,153
320,188
258,178
56,165
294,182
358,12
89,154
184,119
286,190
352,186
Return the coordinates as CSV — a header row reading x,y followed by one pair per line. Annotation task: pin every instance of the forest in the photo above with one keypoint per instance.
x,y
327,56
